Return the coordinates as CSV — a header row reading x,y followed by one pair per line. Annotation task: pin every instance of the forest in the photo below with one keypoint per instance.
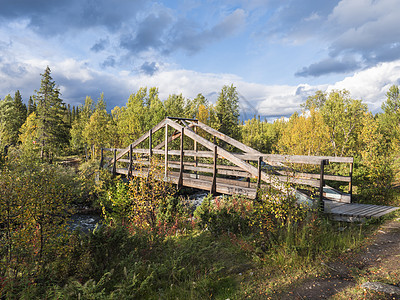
x,y
151,243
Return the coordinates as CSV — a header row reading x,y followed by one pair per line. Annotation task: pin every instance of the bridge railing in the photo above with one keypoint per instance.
x,y
280,165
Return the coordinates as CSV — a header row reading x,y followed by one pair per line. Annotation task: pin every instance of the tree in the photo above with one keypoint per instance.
x,y
305,135
259,135
85,111
315,102
53,132
21,109
390,118
97,130
175,106
8,122
192,109
343,117
29,134
227,112
31,106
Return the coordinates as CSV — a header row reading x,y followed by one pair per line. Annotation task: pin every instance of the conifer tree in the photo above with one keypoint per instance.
x,y
227,112
52,130
31,106
20,109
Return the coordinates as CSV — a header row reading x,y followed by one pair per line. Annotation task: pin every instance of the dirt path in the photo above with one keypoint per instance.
x,y
377,261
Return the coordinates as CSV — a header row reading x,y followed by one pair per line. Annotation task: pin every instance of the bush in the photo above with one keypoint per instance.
x,y
225,214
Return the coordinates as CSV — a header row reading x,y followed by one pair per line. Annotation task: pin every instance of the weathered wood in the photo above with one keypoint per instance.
x,y
351,180
112,149
101,158
202,154
180,182
298,159
240,168
195,148
226,138
166,151
141,139
185,119
130,166
114,168
314,176
322,183
214,178
150,144
227,155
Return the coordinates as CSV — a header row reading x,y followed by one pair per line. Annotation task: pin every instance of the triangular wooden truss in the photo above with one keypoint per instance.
x,y
238,165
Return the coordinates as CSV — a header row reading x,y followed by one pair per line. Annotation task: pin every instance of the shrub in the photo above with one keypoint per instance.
x,y
224,214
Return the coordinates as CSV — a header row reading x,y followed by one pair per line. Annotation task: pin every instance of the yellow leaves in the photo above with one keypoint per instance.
x,y
305,135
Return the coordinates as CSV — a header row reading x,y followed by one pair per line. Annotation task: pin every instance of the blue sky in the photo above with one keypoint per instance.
x,y
275,52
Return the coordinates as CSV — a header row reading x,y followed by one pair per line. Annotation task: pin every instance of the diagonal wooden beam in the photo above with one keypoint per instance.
x,y
225,138
276,183
175,135
138,141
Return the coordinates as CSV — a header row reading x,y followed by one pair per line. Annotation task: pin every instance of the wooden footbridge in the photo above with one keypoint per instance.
x,y
195,155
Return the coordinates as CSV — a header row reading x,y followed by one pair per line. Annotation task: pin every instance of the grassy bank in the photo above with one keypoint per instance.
x,y
153,246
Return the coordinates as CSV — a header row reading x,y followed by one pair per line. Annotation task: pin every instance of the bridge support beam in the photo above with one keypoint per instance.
x,y
213,190
130,167
180,179
166,153
114,168
101,158
258,195
324,162
351,182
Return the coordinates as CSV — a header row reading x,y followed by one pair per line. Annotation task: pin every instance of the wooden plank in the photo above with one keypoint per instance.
x,y
166,151
181,159
214,178
372,210
140,151
316,176
362,210
227,155
150,143
388,210
202,154
112,149
185,119
141,139
299,159
309,182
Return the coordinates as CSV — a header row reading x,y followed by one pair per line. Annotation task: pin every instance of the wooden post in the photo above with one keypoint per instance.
x,y
166,153
101,158
150,144
130,167
214,179
321,185
248,177
180,179
351,182
196,161
114,169
260,159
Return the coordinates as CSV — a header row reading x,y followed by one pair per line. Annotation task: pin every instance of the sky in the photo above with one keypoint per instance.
x,y
275,52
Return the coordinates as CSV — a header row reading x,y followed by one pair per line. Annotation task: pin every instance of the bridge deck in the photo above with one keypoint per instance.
x,y
354,211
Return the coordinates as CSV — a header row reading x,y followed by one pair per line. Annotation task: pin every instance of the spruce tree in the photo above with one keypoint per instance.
x,y
31,106
52,130
21,109
227,112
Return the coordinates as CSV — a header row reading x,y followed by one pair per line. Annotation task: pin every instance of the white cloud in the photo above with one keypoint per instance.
x,y
372,84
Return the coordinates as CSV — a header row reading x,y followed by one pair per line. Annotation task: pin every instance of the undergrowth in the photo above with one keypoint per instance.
x,y
152,245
